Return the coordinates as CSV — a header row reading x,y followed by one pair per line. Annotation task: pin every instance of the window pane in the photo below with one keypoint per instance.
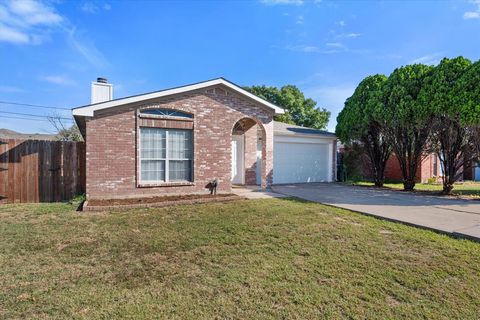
x,y
180,144
153,154
153,170
152,143
179,170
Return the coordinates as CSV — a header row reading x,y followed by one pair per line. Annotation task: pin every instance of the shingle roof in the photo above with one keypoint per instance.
x,y
291,129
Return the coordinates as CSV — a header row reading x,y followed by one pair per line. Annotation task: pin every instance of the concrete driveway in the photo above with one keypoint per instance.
x,y
457,217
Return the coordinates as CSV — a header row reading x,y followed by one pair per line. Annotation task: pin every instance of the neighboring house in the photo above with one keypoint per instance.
x,y
429,168
176,141
476,172
473,172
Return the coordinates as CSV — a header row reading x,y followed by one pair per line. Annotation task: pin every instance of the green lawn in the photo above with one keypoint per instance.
x,y
461,188
257,259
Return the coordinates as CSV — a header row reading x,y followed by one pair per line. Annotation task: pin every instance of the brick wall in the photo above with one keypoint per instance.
x,y
424,172
111,143
251,156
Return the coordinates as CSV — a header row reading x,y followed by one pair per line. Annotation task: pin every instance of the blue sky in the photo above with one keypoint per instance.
x,y
51,51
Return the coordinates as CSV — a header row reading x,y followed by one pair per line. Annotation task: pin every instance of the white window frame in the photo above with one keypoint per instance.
x,y
167,159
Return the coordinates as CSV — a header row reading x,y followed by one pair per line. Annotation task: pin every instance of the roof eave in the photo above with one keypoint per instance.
x,y
310,135
89,110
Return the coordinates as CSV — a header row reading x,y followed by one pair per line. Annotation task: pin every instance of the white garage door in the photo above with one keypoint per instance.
x,y
296,162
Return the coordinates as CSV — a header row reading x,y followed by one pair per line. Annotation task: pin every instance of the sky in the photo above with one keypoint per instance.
x,y
51,51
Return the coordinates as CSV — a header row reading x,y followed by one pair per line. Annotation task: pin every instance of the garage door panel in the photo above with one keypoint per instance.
x,y
300,162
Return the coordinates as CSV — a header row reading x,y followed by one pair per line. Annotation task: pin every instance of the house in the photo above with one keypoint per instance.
x,y
176,141
430,168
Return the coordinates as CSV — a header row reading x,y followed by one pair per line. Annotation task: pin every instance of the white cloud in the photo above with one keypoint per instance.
x,y
473,14
429,59
58,79
352,35
89,7
34,12
94,8
300,20
85,48
341,23
334,45
27,21
304,48
282,2
328,48
12,35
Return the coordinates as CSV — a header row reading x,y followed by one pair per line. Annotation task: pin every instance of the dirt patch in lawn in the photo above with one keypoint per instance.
x,y
133,201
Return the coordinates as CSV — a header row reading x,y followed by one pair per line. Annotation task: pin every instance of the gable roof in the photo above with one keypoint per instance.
x,y
294,130
88,110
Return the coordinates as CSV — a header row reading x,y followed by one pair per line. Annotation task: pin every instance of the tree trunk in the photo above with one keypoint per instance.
x,y
379,179
447,188
378,183
408,185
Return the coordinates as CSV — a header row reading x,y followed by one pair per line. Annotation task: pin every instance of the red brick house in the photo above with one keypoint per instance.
x,y
429,168
178,140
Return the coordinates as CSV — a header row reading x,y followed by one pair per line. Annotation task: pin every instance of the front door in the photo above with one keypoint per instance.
x,y
238,171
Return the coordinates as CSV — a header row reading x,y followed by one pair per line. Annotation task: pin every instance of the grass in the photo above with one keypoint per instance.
x,y
461,189
257,259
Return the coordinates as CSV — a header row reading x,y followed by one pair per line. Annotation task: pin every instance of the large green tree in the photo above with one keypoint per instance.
x,y
467,93
451,123
363,120
409,120
298,109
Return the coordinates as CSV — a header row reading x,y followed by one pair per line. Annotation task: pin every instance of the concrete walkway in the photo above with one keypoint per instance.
x,y
255,192
457,217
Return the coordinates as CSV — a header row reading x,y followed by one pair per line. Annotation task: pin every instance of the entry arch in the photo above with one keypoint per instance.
x,y
248,152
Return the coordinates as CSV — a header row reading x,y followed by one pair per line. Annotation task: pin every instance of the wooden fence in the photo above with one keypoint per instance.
x,y
41,171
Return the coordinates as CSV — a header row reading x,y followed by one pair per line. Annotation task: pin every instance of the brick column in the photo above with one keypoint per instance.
x,y
267,155
251,156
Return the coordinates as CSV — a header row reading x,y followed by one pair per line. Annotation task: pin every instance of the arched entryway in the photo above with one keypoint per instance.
x,y
248,153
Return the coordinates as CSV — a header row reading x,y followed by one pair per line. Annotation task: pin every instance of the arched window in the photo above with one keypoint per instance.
x,y
166,112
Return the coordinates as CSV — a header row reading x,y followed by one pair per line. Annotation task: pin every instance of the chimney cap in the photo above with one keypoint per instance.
x,y
102,80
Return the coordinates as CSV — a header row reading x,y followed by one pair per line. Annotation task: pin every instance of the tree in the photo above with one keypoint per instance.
x,y
298,109
64,131
408,120
467,94
450,138
362,119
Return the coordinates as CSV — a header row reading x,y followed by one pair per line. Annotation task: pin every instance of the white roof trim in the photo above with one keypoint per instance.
x,y
88,111
305,135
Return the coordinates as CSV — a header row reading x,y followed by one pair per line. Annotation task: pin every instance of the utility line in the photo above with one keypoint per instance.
x,y
8,117
34,115
31,105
